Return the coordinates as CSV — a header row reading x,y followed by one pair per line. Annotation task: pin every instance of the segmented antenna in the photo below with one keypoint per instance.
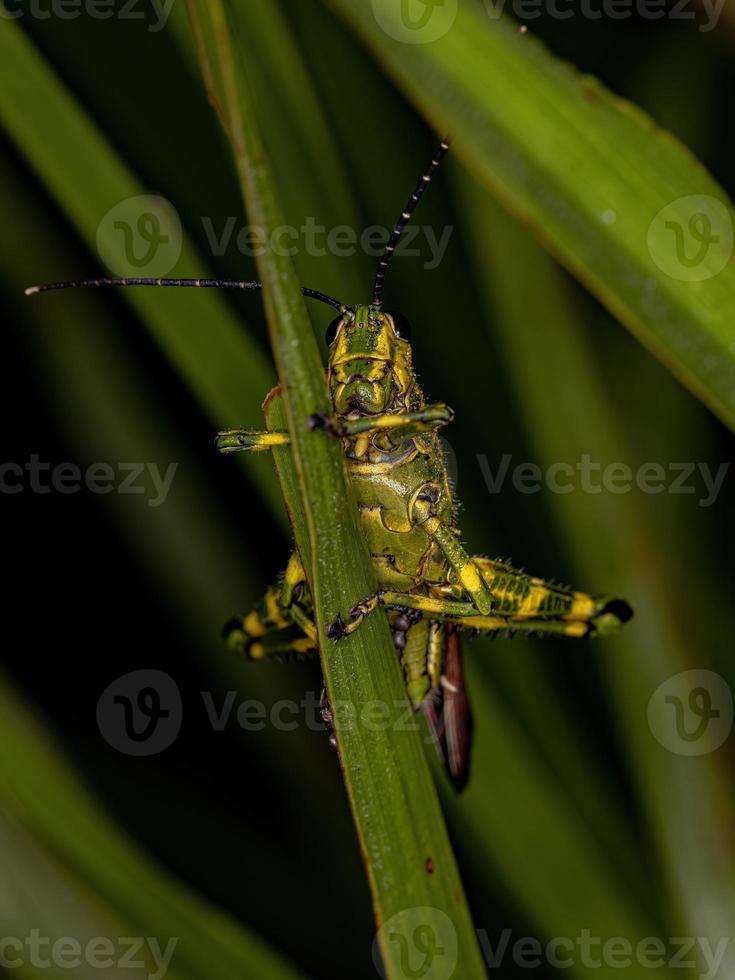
x,y
201,283
403,221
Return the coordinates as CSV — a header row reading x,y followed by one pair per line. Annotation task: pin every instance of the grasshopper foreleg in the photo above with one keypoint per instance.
x,y
467,572
249,440
403,425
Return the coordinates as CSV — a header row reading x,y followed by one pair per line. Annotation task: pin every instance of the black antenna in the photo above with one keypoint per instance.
x,y
201,283
403,221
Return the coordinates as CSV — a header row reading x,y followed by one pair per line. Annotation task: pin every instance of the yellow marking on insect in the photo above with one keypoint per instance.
x,y
470,577
362,444
356,343
428,605
304,623
485,623
583,607
431,525
294,570
377,371
273,610
576,629
256,651
370,469
304,644
435,653
530,604
269,439
252,624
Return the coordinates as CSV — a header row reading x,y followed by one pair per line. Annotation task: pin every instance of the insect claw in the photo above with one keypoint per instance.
x,y
320,421
337,629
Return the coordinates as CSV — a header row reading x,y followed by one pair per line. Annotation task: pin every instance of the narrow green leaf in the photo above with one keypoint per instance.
x,y
109,409
621,203
296,128
392,796
522,829
112,878
688,801
200,335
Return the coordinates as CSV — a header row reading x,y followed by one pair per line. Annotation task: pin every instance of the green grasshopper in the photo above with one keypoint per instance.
x,y
429,585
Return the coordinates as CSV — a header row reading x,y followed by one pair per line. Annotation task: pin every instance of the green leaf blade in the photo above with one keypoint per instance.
x,y
393,799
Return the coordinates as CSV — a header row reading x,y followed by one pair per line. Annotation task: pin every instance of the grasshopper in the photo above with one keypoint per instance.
x,y
429,585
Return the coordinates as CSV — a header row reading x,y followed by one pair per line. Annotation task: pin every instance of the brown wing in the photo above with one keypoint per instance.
x,y
448,714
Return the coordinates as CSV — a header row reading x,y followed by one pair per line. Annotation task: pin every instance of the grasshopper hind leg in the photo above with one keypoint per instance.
x,y
280,626
275,644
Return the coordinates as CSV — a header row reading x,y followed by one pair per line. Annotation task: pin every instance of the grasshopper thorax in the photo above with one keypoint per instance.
x,y
369,369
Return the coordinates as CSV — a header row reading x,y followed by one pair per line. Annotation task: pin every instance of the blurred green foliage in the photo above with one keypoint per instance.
x,y
576,818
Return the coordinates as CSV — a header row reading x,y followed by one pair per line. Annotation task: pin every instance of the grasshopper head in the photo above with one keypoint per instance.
x,y
369,368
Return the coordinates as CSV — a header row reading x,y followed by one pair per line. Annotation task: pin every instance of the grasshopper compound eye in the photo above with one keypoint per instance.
x,y
331,333
402,324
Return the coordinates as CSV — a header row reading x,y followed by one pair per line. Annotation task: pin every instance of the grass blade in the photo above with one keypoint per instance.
x,y
393,799
203,339
39,792
687,800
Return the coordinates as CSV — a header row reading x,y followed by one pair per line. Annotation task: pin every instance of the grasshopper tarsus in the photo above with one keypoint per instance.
x,y
337,628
